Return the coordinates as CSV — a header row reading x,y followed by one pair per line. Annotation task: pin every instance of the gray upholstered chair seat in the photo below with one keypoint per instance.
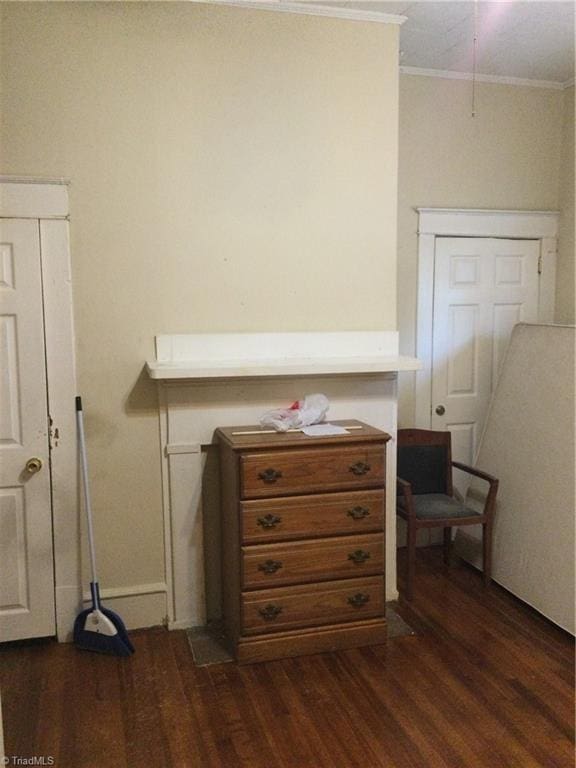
x,y
430,506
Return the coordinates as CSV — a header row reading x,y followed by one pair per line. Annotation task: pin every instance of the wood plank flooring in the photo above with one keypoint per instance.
x,y
485,683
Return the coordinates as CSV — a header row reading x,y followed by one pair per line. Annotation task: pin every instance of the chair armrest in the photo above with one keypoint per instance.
x,y
490,503
476,472
404,486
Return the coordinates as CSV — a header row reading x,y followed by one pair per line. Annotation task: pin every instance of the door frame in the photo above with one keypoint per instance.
x,y
471,222
46,200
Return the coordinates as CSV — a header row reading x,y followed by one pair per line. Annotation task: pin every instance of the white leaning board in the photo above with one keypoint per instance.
x,y
528,443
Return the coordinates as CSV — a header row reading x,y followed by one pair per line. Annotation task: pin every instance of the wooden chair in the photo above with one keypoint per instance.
x,y
425,497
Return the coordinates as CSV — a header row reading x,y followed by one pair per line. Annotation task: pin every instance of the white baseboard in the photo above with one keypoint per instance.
x,y
138,611
469,548
113,593
184,624
138,605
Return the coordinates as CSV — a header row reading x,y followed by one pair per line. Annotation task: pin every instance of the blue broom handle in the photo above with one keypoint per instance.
x,y
95,592
87,505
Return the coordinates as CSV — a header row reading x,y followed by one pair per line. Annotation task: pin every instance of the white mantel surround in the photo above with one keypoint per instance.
x,y
212,380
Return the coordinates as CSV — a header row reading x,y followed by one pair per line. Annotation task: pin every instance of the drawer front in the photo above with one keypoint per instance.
x,y
279,473
301,517
298,562
273,610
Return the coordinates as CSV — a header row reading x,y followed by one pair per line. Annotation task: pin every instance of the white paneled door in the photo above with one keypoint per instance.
x,y
482,288
26,550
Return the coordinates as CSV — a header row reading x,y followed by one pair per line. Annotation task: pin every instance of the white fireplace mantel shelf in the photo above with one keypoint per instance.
x,y
203,369
217,356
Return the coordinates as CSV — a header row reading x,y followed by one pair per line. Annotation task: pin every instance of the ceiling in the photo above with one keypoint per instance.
x,y
526,39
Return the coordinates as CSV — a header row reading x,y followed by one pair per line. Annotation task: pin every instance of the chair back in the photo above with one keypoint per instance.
x,y
425,461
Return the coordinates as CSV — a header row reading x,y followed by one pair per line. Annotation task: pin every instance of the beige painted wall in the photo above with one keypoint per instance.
x,y
231,170
508,156
565,277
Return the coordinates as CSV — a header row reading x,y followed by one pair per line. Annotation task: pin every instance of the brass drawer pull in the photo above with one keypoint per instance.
x,y
269,521
357,513
359,556
358,600
269,475
270,566
270,612
360,468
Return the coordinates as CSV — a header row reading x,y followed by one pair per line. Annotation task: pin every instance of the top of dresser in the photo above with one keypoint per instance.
x,y
263,438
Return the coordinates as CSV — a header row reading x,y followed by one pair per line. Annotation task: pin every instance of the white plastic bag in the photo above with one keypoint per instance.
x,y
311,410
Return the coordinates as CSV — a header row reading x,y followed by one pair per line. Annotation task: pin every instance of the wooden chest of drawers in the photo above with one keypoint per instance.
x,y
302,540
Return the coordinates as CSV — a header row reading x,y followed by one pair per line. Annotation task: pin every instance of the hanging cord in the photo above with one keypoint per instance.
x,y
474,58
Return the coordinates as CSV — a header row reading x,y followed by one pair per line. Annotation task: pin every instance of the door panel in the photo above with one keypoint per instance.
x,y
462,350
26,554
482,288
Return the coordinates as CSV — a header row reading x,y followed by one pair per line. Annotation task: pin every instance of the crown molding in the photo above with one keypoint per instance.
x,y
9,179
448,74
311,9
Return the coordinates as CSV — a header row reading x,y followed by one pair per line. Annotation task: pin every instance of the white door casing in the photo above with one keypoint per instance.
x,y
482,288
26,551
436,223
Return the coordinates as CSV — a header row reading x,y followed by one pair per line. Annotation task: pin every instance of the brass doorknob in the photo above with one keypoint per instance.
x,y
440,410
33,465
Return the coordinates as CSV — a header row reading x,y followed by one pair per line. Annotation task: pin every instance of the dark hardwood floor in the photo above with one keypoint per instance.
x,y
486,682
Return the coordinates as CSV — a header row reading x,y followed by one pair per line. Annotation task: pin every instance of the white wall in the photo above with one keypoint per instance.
x,y
232,170
508,156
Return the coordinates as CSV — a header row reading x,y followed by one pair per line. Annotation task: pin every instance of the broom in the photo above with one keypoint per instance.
x,y
96,628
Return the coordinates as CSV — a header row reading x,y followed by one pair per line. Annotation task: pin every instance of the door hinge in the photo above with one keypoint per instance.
x,y
540,262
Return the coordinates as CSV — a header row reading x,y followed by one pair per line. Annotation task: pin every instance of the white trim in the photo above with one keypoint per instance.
x,y
183,448
113,593
424,315
33,200
480,222
34,180
142,605
249,355
166,521
473,222
298,367
186,537
60,372
349,14
448,74
547,297
48,203
182,624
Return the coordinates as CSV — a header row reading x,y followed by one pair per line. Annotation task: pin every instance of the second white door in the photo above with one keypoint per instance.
x,y
482,288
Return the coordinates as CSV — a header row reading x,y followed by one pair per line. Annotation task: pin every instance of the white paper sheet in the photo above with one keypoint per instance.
x,y
324,430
